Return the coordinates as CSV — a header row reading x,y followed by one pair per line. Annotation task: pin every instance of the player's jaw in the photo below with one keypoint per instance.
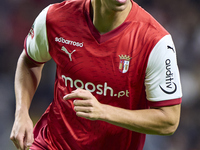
x,y
116,5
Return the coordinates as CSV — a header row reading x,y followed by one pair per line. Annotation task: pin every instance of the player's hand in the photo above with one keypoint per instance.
x,y
86,105
22,132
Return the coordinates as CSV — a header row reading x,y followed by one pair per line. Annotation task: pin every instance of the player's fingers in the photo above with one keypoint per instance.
x,y
83,109
85,103
29,139
18,141
15,142
13,138
21,143
86,115
78,93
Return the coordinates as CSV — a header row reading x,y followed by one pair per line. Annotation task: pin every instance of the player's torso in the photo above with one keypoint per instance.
x,y
108,65
111,66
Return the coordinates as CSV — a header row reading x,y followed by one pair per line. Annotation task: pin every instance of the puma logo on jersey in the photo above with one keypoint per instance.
x,y
169,47
66,51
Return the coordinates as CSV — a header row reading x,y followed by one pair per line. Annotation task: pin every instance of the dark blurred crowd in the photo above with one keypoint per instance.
x,y
180,18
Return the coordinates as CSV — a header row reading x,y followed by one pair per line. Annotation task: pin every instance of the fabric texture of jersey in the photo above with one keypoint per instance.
x,y
122,68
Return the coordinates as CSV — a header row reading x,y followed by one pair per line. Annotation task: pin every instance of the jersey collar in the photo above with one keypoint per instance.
x,y
101,38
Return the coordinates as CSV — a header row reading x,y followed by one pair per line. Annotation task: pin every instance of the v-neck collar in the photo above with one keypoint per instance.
x,y
101,38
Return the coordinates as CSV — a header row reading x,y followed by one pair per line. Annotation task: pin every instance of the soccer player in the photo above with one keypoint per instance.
x,y
116,79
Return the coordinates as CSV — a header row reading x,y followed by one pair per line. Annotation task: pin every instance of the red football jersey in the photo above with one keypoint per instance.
x,y
112,66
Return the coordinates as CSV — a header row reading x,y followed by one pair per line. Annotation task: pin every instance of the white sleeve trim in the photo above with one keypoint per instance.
x,y
37,46
162,80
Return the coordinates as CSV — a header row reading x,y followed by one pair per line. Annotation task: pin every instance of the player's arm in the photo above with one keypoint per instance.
x,y
163,91
160,120
27,78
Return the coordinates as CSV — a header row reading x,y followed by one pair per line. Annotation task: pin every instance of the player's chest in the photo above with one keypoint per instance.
x,y
111,57
110,68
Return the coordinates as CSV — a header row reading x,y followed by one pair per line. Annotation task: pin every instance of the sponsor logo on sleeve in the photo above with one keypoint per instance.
x,y
170,87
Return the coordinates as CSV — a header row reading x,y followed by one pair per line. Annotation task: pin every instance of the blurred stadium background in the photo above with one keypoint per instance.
x,y
180,18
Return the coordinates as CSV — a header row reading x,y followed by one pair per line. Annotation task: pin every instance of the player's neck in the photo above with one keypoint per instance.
x,y
105,19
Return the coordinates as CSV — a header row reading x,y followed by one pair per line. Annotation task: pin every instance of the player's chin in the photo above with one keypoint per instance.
x,y
120,5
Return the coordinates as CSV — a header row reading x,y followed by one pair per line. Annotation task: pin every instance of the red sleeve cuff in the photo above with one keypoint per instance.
x,y
165,103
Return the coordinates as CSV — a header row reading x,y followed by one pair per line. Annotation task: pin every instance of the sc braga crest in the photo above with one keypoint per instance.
x,y
124,63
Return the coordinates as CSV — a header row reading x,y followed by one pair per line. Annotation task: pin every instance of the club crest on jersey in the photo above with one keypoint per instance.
x,y
124,63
